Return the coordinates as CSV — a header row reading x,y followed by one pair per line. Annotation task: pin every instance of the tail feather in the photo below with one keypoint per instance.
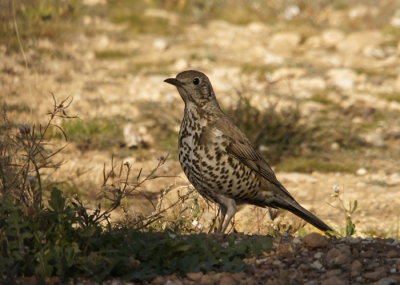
x,y
299,211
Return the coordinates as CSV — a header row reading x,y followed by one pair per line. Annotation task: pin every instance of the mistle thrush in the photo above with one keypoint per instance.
x,y
220,161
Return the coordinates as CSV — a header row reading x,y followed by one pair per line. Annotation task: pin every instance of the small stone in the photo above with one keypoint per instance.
x,y
333,272
318,255
159,280
334,280
315,240
317,265
332,37
374,138
194,276
367,254
160,44
352,240
173,282
206,279
379,273
356,41
356,265
304,267
361,171
297,240
386,281
392,254
227,280
284,43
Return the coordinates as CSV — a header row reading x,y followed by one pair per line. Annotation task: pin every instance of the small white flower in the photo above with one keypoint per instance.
x,y
335,188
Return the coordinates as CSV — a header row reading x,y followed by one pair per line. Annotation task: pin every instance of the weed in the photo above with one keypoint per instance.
x,y
350,228
96,134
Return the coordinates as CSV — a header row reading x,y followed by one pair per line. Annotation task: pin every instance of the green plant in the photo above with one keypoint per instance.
x,y
350,227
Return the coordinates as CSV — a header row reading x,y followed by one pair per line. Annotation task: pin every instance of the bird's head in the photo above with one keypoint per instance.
x,y
194,88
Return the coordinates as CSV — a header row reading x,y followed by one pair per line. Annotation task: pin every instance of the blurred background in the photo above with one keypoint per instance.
x,y
315,85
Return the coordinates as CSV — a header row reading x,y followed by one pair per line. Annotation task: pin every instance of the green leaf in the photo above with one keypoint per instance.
x,y
57,201
43,268
354,207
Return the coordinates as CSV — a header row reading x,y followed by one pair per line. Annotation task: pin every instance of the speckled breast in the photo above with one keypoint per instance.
x,y
211,170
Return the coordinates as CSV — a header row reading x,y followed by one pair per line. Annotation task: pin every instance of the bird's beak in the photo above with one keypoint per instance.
x,y
173,81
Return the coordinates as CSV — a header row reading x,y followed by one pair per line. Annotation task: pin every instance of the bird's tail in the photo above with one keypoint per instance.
x,y
299,211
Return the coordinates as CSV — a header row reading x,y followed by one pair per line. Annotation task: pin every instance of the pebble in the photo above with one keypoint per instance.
x,y
227,280
334,280
315,240
194,276
361,171
379,273
356,265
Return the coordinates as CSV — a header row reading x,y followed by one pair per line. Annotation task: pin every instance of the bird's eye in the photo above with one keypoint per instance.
x,y
196,81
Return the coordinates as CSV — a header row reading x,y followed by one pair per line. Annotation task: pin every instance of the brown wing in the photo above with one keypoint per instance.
x,y
240,148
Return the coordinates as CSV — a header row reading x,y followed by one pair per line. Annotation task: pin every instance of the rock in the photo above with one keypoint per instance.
x,y
395,20
356,265
173,282
374,138
361,171
194,276
317,265
386,281
332,37
337,257
315,240
284,43
272,58
392,254
207,279
159,280
374,52
291,12
137,136
334,280
160,44
344,78
227,280
356,41
379,273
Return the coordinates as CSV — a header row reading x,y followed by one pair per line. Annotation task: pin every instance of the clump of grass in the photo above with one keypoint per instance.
x,y
35,19
280,132
310,164
111,54
98,133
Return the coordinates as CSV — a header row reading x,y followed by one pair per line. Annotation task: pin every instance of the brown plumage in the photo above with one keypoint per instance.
x,y
220,161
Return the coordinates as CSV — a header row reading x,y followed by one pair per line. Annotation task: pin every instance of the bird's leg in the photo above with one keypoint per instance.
x,y
230,205
222,213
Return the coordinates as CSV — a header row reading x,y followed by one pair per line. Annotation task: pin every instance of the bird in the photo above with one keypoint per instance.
x,y
220,161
